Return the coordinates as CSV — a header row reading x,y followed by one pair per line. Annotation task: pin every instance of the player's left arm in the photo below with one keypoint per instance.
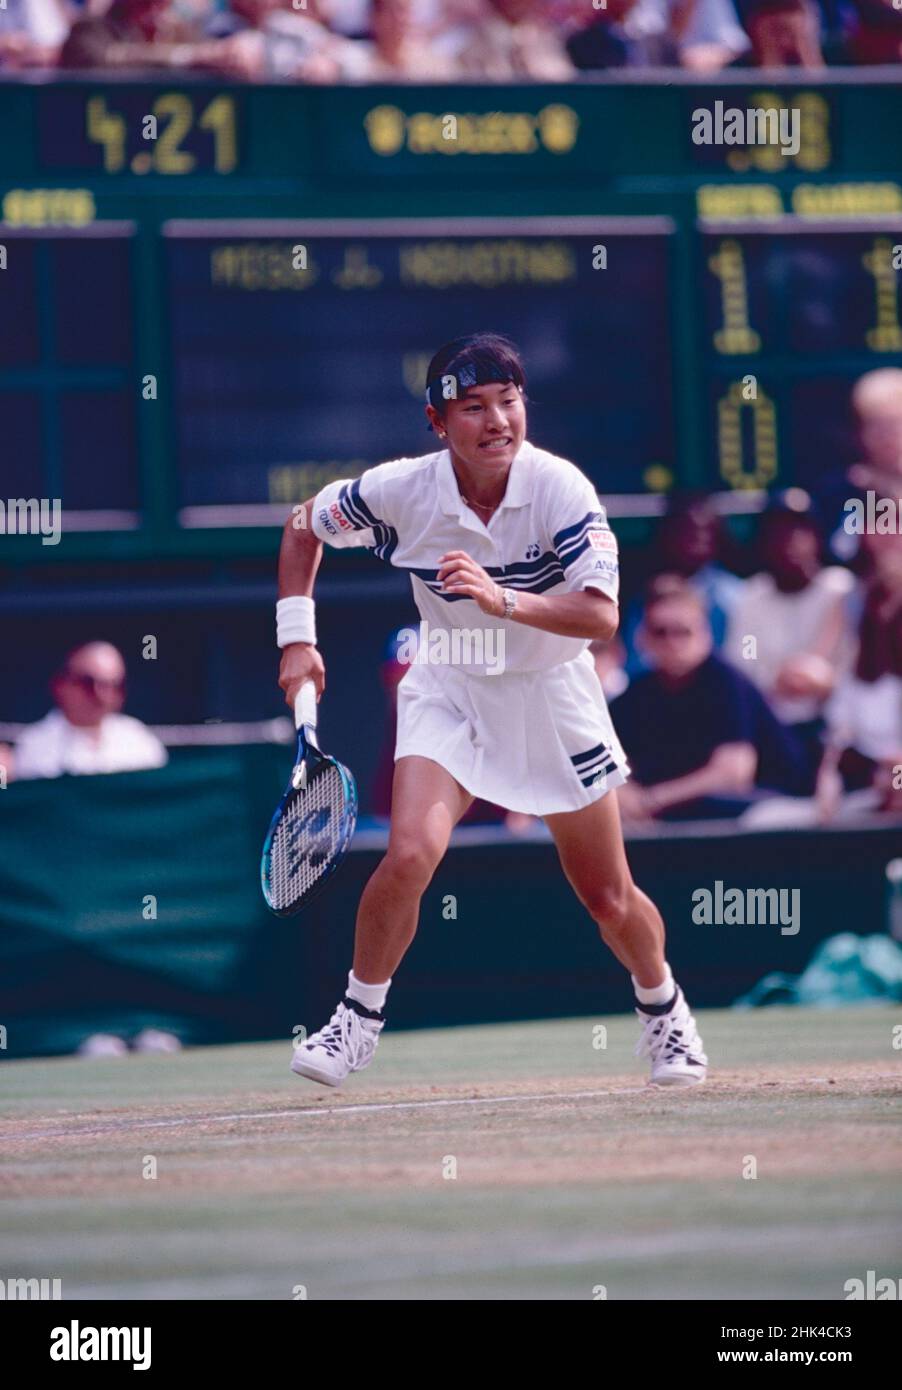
x,y
586,551
589,614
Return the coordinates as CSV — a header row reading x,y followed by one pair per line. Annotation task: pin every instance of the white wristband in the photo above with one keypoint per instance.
x,y
295,620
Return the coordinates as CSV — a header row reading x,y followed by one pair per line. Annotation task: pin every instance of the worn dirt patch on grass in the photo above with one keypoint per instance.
x,y
795,1120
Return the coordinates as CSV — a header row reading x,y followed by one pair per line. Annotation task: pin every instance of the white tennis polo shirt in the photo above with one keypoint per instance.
x,y
549,536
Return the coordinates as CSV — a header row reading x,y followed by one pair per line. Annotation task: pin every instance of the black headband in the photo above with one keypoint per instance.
x,y
449,386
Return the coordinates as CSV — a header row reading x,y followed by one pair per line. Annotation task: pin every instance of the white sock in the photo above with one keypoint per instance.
x,y
370,996
660,994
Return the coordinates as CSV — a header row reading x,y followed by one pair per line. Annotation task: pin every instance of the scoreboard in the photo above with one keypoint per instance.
x,y
793,312
66,358
213,299
300,353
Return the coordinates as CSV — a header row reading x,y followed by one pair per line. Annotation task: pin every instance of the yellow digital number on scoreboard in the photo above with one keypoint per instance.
x,y
761,469
169,131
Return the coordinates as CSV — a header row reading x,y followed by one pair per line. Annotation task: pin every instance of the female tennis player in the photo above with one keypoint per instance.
x,y
495,534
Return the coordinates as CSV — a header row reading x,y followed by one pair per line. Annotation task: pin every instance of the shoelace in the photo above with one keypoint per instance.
x,y
344,1033
662,1035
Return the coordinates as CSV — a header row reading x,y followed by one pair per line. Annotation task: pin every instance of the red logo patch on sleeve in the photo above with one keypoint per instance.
x,y
602,540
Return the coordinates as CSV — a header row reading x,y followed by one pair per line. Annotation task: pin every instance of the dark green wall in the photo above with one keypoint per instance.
x,y
79,855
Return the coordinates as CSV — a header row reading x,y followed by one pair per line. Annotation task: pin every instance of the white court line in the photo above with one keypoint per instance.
x,y
122,1126
117,1126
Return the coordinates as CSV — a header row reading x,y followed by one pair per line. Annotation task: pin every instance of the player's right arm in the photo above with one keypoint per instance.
x,y
299,559
348,512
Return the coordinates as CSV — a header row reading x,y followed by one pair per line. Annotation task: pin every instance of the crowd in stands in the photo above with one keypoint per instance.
x,y
766,682
328,41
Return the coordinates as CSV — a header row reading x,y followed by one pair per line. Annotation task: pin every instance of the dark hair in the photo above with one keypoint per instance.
x,y
473,360
782,515
668,588
778,513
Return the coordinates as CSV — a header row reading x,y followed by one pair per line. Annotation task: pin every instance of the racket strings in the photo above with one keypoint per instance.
x,y
310,833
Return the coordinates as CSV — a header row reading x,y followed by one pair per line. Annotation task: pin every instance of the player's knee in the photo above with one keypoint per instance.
x,y
610,906
411,863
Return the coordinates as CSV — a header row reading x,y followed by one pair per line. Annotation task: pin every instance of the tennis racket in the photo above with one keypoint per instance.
x,y
311,830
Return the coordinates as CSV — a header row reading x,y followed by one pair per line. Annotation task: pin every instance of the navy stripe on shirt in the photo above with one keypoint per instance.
x,y
533,577
571,534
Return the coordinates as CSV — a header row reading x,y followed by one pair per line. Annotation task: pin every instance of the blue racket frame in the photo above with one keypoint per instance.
x,y
309,763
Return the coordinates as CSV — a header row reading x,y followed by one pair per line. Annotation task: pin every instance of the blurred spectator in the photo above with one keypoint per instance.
x,y
861,773
877,406
626,33
796,612
876,35
511,39
32,32
699,737
86,733
783,33
865,714
689,544
708,34
347,17
877,402
276,40
345,41
142,34
401,46
701,34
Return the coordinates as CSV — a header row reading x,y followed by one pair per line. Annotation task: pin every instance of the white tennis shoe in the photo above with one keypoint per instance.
x,y
672,1042
346,1044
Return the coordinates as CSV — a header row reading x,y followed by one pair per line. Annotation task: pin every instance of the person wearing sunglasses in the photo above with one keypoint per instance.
x,y
701,739
86,731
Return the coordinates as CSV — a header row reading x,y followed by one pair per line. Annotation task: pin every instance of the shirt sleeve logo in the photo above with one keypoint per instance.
x,y
602,540
340,517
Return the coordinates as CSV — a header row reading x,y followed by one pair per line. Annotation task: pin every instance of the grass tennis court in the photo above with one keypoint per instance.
x,y
570,1173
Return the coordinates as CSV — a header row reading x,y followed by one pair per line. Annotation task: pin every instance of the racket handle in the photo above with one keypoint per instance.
x,y
305,706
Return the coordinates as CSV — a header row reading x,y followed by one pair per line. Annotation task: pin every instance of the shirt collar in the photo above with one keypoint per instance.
x,y
517,492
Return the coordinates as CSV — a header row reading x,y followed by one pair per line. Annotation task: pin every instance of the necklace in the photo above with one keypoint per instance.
x,y
482,506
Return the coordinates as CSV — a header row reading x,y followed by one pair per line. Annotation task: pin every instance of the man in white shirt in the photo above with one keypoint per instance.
x,y
32,32
795,610
86,733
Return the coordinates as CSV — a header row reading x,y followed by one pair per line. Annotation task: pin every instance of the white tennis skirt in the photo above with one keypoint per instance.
x,y
541,742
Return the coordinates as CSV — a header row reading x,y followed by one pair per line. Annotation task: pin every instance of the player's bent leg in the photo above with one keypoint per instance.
x,y
427,803
593,856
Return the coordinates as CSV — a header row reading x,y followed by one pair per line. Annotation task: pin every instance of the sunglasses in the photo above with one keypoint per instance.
x,y
661,630
93,685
